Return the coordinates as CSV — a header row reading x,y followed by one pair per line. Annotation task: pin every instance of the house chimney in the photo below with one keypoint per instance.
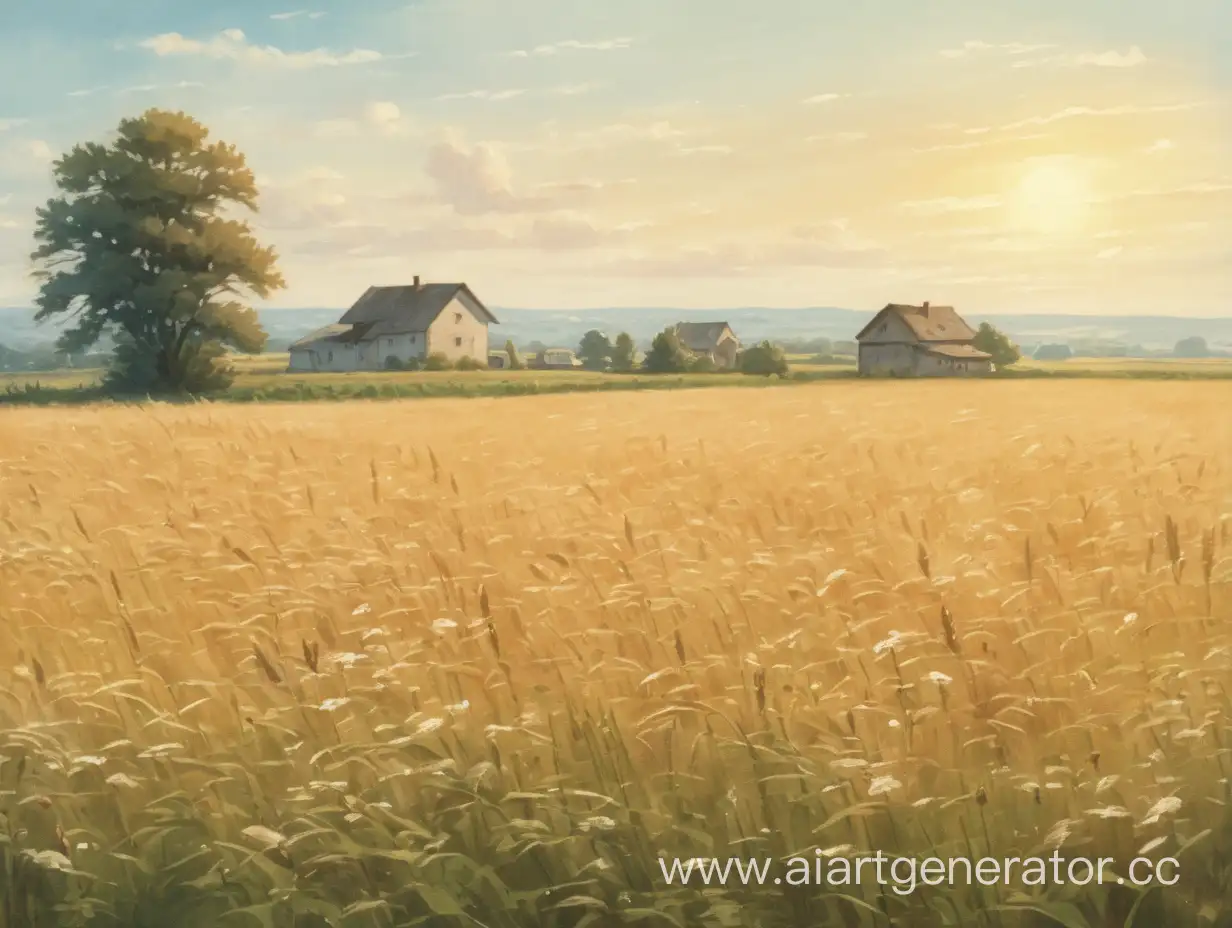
x,y
417,286
925,302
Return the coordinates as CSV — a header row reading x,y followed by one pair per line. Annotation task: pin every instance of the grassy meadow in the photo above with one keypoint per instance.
x,y
265,378
481,662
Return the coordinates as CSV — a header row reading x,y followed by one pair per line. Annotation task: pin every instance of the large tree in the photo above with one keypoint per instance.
x,y
993,341
595,350
138,245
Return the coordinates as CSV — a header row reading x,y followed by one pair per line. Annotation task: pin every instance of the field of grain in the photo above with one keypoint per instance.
x,y
481,662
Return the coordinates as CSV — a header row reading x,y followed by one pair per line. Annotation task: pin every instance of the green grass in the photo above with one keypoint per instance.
x,y
264,378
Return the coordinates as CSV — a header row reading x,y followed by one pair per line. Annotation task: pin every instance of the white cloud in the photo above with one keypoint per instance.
x,y
1007,48
555,48
475,179
7,124
1160,145
952,205
842,137
232,45
823,98
295,14
1129,59
1108,253
40,150
705,150
386,118
494,96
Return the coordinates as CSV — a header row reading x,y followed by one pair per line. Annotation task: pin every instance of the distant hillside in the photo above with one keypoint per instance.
x,y
565,327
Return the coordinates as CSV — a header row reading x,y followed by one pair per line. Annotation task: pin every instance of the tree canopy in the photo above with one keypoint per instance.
x,y
138,245
666,354
992,341
1193,347
595,350
624,352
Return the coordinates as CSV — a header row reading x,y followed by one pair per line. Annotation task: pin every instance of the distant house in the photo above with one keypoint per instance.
x,y
404,323
1052,353
714,340
919,341
555,359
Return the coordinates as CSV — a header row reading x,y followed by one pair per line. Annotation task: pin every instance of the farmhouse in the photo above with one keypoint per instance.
x,y
920,341
404,322
713,340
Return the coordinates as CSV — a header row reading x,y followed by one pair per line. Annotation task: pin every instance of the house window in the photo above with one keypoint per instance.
x,y
458,342
331,357
389,343
412,339
457,318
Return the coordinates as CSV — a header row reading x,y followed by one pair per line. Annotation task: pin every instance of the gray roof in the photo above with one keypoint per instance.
x,y
410,308
927,323
325,332
700,336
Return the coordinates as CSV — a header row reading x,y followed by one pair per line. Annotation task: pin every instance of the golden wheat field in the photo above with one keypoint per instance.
x,y
484,662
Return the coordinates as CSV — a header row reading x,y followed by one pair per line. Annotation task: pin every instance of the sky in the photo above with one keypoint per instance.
x,y
1046,157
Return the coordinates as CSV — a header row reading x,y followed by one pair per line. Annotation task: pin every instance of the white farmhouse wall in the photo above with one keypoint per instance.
x,y
404,346
890,329
459,332
301,360
884,359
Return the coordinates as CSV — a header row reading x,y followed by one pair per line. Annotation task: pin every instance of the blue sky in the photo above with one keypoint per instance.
x,y
1048,157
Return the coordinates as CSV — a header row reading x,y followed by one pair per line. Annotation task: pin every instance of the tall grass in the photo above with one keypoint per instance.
x,y
483,662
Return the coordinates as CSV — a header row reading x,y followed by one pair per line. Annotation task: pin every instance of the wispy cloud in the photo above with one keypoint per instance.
x,y
1160,145
233,45
574,90
296,14
822,98
1129,59
978,47
1132,58
1077,112
705,150
491,95
149,88
568,45
7,124
942,205
839,137
1198,189
977,143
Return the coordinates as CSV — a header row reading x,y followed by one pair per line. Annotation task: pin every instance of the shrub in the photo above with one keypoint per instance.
x,y
438,361
764,360
394,363
702,364
467,363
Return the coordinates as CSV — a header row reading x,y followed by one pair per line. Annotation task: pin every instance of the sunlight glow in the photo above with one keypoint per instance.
x,y
1053,196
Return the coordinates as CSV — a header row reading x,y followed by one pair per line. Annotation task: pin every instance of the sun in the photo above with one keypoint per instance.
x,y
1053,196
